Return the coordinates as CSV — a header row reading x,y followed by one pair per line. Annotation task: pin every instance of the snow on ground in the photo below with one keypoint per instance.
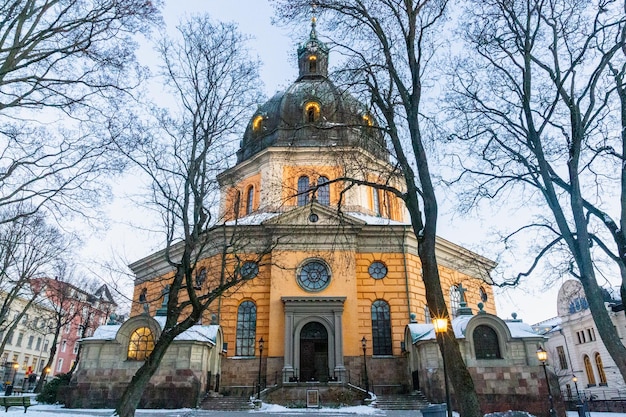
x,y
42,410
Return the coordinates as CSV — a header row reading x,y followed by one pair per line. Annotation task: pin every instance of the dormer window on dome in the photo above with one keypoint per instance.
x,y
311,112
257,123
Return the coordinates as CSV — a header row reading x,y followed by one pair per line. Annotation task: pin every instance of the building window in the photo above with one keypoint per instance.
x,y
483,295
427,318
236,203
600,368
591,379
38,344
249,200
312,112
46,343
76,346
562,359
63,345
486,343
323,191
314,276
141,344
381,328
377,270
10,338
249,270
31,339
376,201
60,365
20,337
455,300
312,64
303,191
246,329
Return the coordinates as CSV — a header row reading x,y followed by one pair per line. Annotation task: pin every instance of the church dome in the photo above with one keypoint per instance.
x,y
312,112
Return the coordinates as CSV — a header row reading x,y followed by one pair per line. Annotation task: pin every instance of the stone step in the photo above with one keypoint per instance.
x,y
226,403
413,401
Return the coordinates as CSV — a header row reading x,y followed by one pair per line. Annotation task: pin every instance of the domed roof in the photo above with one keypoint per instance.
x,y
312,112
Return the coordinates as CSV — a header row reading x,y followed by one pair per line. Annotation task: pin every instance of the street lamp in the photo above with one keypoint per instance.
x,y
542,355
367,380
575,380
260,364
46,372
441,327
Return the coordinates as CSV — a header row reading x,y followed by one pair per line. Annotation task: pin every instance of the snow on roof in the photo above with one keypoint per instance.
x,y
376,220
252,219
419,331
197,333
547,326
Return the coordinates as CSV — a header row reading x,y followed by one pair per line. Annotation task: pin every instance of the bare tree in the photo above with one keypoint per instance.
x,y
65,68
210,73
29,248
389,44
535,99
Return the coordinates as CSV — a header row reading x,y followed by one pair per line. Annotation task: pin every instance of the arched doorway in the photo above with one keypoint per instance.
x,y
314,352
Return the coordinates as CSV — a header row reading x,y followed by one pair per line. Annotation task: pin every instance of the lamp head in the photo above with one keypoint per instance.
x,y
440,325
574,378
542,355
364,342
261,343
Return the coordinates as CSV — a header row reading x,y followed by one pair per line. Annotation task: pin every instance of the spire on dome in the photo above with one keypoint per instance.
x,y
313,54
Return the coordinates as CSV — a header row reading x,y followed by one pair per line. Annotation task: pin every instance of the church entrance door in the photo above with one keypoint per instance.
x,y
314,353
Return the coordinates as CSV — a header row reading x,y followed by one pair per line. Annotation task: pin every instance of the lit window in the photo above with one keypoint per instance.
x,y
141,344
486,343
312,63
249,200
312,112
323,191
591,379
303,191
257,123
246,329
368,120
600,368
381,328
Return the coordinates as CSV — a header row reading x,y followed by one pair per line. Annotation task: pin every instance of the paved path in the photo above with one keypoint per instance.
x,y
203,413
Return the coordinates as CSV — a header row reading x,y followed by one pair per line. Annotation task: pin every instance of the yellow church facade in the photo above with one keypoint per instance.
x,y
313,176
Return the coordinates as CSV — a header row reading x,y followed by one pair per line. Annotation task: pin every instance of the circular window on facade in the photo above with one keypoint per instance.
x,y
377,270
314,276
249,270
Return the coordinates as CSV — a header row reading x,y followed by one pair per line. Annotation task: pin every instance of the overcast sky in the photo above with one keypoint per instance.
x,y
275,47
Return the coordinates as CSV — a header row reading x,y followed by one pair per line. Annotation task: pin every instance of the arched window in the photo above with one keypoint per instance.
x,y
486,343
600,368
246,329
376,201
311,112
323,191
591,379
249,199
303,191
237,203
381,328
141,344
455,300
312,64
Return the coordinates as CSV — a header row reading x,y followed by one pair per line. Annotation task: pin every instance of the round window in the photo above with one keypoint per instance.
x,y
314,276
377,270
249,270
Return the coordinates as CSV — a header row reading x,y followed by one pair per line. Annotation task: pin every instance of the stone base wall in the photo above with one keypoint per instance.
x,y
330,395
100,388
499,389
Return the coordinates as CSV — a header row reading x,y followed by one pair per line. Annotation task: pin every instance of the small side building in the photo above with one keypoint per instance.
x,y
501,356
190,368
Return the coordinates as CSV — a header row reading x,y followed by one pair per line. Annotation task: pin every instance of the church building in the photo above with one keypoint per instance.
x,y
338,298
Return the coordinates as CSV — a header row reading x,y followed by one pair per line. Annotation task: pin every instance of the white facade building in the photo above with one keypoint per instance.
x,y
577,355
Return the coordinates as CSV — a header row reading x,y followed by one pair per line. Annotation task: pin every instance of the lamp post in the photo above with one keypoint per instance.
x,y
542,355
367,381
575,380
46,372
441,327
260,364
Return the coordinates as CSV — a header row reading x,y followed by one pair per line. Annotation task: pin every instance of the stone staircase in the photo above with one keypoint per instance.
x,y
412,401
225,403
